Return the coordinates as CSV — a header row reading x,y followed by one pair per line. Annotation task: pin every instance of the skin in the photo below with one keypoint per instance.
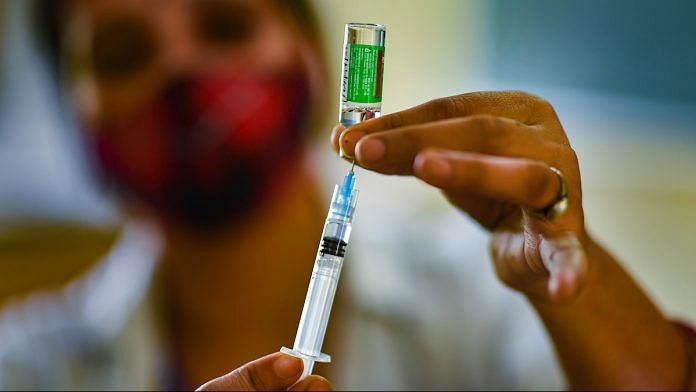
x,y
274,372
200,270
490,153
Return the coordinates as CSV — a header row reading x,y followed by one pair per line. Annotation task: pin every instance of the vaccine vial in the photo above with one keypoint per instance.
x,y
362,71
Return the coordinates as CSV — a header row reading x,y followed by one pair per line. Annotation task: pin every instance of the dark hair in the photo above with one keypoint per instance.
x,y
49,15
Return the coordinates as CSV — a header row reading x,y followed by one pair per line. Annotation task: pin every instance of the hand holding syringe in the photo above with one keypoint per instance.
x,y
361,98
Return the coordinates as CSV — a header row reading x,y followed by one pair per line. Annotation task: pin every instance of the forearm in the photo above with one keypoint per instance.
x,y
612,336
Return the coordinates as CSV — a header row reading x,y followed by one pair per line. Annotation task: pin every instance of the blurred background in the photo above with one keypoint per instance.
x,y
426,310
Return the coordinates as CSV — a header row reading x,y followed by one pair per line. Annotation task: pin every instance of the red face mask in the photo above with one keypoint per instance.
x,y
208,148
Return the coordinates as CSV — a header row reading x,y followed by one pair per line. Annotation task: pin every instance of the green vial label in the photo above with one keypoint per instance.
x,y
365,70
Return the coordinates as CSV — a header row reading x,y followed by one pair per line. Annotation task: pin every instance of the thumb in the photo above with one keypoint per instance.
x,y
273,372
564,257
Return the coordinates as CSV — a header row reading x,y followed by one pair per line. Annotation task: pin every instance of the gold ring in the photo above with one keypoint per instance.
x,y
560,205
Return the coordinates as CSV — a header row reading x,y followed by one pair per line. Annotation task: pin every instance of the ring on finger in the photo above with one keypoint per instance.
x,y
560,205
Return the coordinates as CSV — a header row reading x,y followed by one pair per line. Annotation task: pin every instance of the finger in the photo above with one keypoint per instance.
x,y
525,182
313,383
273,372
561,254
564,257
516,263
489,213
335,134
515,105
393,152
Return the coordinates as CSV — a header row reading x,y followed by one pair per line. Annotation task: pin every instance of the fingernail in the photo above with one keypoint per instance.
x,y
337,128
563,286
287,366
437,169
348,142
371,150
336,132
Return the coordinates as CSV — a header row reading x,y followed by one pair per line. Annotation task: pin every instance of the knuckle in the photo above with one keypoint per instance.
x,y
542,111
442,108
501,269
522,98
486,122
395,120
521,95
537,108
572,156
506,276
570,167
462,105
542,105
249,378
566,159
490,132
503,261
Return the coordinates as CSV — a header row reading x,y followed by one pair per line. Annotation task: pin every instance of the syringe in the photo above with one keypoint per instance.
x,y
327,269
361,99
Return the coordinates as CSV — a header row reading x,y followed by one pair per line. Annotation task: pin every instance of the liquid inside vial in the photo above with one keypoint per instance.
x,y
362,73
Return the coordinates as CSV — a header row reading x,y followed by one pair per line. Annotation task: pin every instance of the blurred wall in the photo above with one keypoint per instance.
x,y
643,48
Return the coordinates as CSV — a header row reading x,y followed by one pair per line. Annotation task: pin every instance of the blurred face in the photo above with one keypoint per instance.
x,y
128,50
193,106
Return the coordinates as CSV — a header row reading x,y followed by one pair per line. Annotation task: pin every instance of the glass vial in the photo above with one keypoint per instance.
x,y
362,72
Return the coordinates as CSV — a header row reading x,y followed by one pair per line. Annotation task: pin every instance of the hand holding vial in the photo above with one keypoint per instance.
x,y
491,153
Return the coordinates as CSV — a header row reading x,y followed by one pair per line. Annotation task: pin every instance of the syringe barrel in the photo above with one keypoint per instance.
x,y
318,303
362,72
325,275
